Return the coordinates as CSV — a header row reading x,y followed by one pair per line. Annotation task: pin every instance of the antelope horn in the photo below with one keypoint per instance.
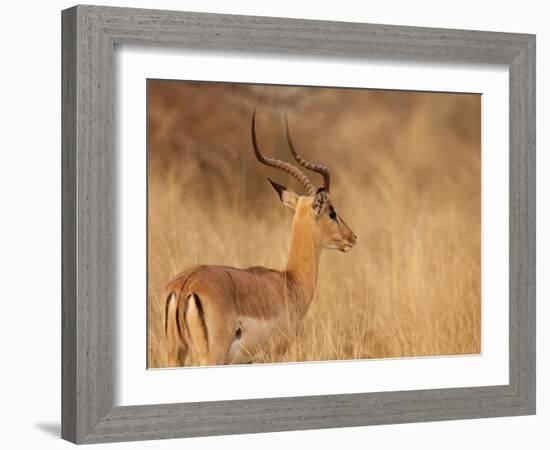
x,y
319,168
278,164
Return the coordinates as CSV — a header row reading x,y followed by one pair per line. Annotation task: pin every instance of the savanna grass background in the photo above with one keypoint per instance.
x,y
406,176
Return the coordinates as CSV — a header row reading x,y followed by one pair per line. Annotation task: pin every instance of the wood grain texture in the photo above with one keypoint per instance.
x,y
89,212
68,225
523,224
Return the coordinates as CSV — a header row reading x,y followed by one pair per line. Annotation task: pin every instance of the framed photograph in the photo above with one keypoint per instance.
x,y
278,224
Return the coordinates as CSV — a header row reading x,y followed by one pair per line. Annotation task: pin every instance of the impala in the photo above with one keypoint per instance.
x,y
224,315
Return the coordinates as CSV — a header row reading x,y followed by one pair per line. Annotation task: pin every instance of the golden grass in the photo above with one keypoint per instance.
x,y
408,184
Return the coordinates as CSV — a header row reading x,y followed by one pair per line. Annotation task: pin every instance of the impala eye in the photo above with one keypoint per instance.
x,y
238,333
333,215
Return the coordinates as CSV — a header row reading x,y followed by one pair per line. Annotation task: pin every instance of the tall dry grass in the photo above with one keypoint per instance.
x,y
406,178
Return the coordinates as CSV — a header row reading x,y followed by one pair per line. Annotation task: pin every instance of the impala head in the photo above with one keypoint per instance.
x,y
314,210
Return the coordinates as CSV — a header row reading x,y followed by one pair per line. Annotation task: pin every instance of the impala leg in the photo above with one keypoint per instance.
x,y
176,348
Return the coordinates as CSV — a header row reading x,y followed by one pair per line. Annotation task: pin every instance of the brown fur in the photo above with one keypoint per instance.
x,y
209,304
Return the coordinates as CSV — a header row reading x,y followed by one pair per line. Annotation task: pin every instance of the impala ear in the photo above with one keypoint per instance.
x,y
288,197
320,201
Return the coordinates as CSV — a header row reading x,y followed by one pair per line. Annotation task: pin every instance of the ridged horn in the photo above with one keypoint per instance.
x,y
319,168
278,164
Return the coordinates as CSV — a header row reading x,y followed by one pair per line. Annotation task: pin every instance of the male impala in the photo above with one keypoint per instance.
x,y
224,315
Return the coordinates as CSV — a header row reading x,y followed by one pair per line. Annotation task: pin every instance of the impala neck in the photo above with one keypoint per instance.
x,y
303,262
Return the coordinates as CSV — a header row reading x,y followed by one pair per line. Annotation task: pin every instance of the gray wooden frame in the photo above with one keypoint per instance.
x,y
89,37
